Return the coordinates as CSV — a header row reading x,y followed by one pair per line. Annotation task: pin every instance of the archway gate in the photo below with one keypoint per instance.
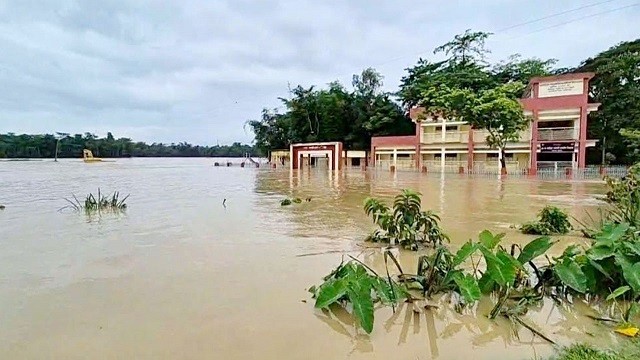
x,y
330,150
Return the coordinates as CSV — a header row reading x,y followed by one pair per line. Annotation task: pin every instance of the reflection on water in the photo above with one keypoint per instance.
x,y
181,276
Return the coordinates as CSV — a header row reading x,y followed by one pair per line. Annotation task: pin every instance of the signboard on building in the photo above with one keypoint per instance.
x,y
560,88
557,147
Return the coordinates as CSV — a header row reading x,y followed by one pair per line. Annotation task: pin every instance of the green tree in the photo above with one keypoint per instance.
x,y
518,69
616,86
466,47
499,112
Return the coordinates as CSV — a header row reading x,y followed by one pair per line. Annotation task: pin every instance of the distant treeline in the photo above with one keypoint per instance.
x,y
71,146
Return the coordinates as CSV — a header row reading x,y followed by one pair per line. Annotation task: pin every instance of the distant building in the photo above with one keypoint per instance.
x,y
557,137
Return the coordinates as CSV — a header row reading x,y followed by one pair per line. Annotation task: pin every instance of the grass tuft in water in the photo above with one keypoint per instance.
x,y
99,202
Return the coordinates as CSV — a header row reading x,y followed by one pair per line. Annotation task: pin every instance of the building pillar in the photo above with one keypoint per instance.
x,y
470,150
533,166
395,158
418,158
582,144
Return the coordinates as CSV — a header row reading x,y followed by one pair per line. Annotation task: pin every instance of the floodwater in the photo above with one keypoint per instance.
x,y
180,276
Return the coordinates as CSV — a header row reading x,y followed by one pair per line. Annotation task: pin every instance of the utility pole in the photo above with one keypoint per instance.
x,y
57,145
60,136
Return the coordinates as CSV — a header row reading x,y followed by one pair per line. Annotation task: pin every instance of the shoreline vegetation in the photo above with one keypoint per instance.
x,y
604,272
25,147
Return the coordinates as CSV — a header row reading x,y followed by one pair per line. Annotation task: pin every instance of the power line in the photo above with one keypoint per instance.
x,y
580,19
553,15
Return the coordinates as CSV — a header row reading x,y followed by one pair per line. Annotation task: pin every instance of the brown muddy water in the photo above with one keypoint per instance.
x,y
179,276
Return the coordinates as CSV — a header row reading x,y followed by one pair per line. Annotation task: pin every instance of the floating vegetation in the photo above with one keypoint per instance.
x,y
287,201
404,224
514,277
551,221
98,203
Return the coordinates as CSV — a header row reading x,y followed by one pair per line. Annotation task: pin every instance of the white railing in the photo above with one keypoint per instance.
x,y
406,164
456,136
449,137
400,164
480,136
563,133
449,166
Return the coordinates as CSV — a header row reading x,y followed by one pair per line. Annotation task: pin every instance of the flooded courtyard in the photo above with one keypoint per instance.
x,y
180,276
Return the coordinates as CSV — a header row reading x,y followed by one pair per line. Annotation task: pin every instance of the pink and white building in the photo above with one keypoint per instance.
x,y
557,106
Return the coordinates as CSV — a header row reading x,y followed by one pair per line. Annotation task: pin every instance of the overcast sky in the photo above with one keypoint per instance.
x,y
196,70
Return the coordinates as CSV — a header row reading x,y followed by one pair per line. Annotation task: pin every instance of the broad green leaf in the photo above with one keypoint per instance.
x,y
600,268
506,258
571,275
468,287
501,272
488,239
330,292
632,275
571,250
600,252
486,283
534,249
591,275
463,253
362,303
383,289
618,292
633,246
611,233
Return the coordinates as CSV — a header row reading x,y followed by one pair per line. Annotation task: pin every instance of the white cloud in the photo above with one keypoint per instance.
x,y
196,70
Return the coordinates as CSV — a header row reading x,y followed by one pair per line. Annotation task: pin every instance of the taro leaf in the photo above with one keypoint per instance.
x,y
501,272
383,289
600,268
600,252
632,275
611,233
330,292
571,250
591,274
534,249
360,297
633,246
618,292
468,287
506,258
571,275
489,240
486,284
465,251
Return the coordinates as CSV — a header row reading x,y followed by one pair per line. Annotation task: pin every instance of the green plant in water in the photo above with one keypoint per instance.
x,y
609,266
355,284
624,197
404,224
100,202
285,202
551,221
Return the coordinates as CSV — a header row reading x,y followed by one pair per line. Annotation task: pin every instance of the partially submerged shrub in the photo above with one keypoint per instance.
x,y
285,202
359,286
624,197
99,202
551,221
608,269
405,224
